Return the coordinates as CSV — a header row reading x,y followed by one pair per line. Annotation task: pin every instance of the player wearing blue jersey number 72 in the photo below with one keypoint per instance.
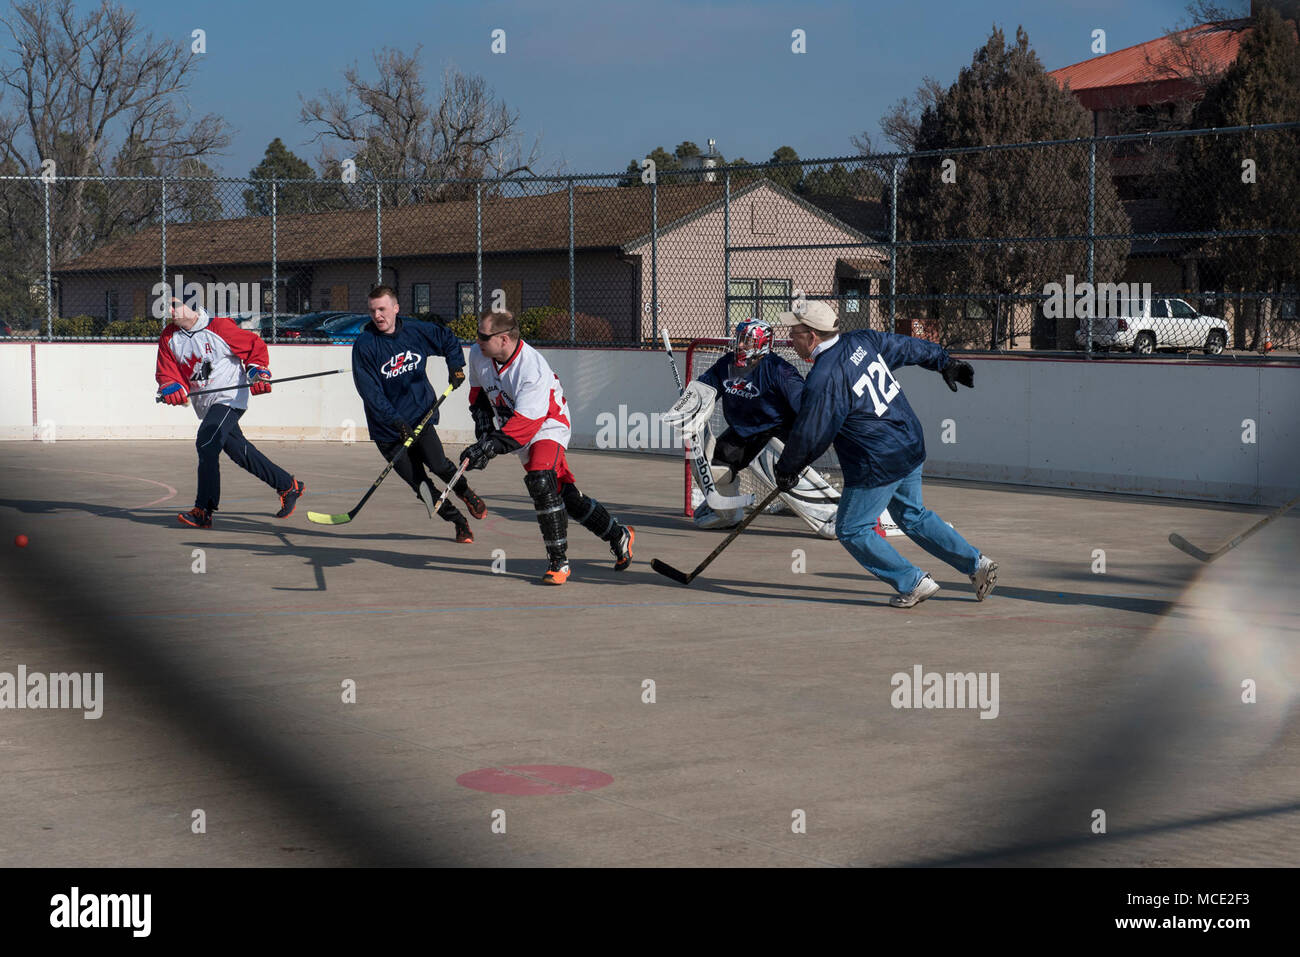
x,y
852,399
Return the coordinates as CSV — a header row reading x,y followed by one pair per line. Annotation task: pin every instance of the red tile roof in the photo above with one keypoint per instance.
x,y
1156,71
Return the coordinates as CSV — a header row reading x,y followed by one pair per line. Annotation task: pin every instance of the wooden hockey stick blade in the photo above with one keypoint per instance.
x,y
464,464
677,576
1200,554
663,568
321,518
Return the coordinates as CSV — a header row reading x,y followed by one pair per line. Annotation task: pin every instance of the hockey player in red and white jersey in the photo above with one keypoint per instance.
x,y
200,352
511,384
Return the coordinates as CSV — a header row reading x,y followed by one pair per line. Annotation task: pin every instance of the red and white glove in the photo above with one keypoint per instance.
x,y
259,380
173,394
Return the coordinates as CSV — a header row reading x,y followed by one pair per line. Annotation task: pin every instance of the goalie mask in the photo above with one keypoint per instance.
x,y
753,340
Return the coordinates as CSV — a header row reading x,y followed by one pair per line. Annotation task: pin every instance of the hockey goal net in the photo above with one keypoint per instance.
x,y
700,355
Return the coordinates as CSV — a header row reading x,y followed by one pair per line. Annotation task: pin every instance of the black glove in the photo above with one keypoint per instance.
x,y
457,378
786,481
957,371
484,423
480,453
403,427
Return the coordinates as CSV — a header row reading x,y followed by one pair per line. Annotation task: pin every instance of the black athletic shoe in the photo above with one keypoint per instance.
x,y
622,548
289,498
463,535
476,505
196,518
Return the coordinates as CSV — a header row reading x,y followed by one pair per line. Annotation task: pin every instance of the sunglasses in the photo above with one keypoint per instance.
x,y
492,335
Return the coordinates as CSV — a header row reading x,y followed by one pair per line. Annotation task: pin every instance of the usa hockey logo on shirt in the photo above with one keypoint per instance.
x,y
407,361
742,388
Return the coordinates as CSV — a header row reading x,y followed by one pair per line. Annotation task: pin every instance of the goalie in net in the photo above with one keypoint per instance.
x,y
759,393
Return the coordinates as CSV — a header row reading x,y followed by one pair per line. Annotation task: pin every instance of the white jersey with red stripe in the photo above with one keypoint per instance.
x,y
212,354
525,395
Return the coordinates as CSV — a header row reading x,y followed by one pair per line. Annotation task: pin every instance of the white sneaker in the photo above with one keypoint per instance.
x,y
985,577
926,587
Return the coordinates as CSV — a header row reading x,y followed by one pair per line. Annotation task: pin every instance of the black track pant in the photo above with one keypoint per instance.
x,y
219,432
426,452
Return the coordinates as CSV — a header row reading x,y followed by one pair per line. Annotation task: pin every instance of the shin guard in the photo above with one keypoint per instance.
x,y
543,488
591,515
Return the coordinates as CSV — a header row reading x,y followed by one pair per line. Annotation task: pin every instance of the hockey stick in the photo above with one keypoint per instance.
x,y
1200,554
703,470
321,518
292,378
663,568
464,464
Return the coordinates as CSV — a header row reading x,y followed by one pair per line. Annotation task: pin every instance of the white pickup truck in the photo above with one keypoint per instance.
x,y
1157,324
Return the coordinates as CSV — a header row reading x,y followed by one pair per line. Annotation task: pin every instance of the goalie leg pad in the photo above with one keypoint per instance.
x,y
813,499
590,514
706,517
543,489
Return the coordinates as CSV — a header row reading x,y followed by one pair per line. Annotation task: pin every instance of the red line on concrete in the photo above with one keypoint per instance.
x,y
34,418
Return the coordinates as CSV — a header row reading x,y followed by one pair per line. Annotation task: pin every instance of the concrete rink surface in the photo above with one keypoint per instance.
x,y
1144,715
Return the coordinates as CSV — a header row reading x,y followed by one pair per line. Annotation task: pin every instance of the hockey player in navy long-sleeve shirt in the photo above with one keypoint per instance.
x,y
390,370
852,399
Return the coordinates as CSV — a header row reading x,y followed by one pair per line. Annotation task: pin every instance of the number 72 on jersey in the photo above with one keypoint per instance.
x,y
883,389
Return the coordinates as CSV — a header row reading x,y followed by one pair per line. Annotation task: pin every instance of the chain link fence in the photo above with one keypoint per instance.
x,y
1185,241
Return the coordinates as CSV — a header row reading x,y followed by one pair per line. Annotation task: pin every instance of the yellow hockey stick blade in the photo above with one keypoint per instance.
x,y
320,518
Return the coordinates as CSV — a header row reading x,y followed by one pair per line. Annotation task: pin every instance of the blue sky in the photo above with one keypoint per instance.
x,y
603,81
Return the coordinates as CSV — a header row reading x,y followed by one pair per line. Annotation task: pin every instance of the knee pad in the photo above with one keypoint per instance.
x,y
542,486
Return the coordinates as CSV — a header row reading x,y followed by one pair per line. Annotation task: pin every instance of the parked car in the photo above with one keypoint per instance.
x,y
260,322
304,328
1157,324
344,329
5,328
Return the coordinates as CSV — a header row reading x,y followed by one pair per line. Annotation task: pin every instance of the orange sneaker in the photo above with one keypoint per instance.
x,y
463,535
196,518
557,574
622,548
289,498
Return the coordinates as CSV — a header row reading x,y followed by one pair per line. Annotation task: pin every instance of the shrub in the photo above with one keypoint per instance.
x,y
530,323
75,326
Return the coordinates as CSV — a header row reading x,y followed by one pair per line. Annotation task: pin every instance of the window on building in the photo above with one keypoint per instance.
x,y
466,301
776,299
419,298
742,302
110,305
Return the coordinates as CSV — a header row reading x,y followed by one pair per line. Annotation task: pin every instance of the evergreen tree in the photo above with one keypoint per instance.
x,y
1005,96
279,163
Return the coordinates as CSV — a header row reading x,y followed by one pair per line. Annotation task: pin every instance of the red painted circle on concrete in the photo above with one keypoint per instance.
x,y
530,779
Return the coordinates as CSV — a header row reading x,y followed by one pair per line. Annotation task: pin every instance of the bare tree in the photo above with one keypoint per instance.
x,y
95,95
901,125
392,130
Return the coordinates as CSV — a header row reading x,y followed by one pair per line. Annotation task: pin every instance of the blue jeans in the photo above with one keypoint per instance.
x,y
855,524
219,432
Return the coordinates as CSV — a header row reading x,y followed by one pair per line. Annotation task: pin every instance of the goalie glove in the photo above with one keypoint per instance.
x,y
691,412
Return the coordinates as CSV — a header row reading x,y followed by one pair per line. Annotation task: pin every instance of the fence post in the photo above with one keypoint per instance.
x,y
478,248
49,282
726,253
275,261
178,293
379,237
893,241
654,259
1092,213
573,294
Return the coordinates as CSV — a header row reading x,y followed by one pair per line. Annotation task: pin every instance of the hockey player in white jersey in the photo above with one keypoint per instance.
x,y
518,405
